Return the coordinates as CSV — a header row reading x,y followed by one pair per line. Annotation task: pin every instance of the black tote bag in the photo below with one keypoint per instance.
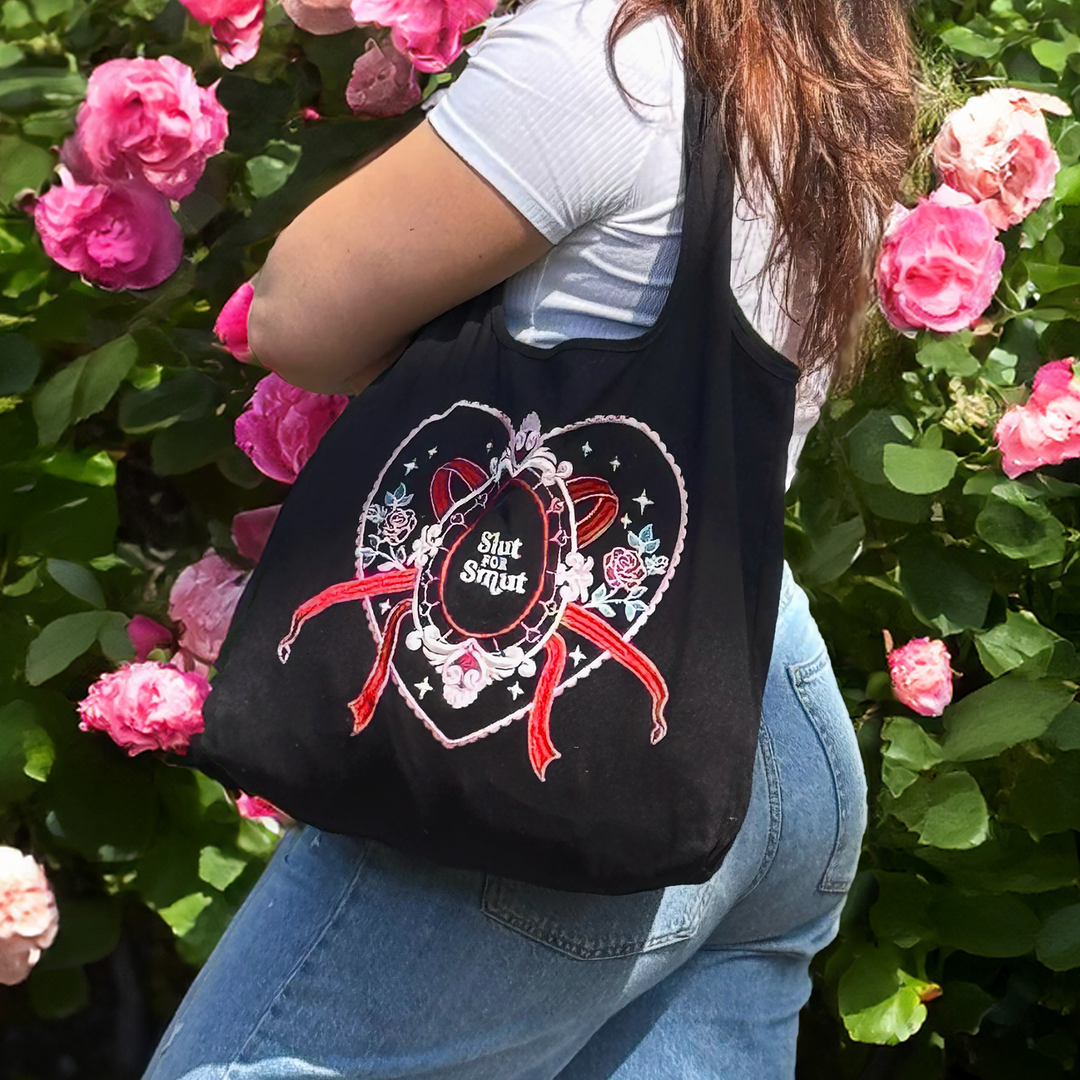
x,y
517,610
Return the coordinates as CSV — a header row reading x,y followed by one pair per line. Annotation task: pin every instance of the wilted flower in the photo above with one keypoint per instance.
x,y
203,600
939,264
921,676
996,149
281,426
1045,430
28,916
383,83
119,237
147,706
146,121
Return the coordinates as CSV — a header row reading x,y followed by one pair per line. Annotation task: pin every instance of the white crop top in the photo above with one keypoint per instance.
x,y
538,114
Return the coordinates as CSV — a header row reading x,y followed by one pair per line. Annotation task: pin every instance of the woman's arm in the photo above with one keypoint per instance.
x,y
408,236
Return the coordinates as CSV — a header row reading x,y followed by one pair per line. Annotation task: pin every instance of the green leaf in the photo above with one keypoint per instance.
x,y
1002,714
962,1008
1049,278
1055,54
55,995
1067,186
268,172
1045,795
82,388
219,869
76,580
867,440
963,40
944,586
901,913
183,914
20,363
22,164
1022,529
34,88
26,751
62,641
879,1002
189,445
1020,638
187,396
909,745
918,471
1064,731
113,638
89,931
946,810
996,926
98,469
1009,861
948,354
1058,943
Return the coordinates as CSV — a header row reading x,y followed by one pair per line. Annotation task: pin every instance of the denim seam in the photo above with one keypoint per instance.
x,y
776,814
330,919
802,676
203,974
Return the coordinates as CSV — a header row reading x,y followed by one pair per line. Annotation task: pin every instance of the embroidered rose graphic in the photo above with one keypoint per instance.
x,y
623,568
398,524
463,676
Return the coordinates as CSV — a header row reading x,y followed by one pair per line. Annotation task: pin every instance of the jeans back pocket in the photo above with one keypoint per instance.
x,y
815,685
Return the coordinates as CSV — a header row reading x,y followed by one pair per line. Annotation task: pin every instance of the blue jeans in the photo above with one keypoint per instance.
x,y
349,959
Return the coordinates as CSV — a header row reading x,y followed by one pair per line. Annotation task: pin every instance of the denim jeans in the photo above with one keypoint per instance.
x,y
350,959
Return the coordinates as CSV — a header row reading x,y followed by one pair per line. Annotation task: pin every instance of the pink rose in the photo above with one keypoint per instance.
x,y
251,530
231,325
146,706
383,83
623,568
320,16
939,264
921,677
281,426
251,806
463,676
428,32
235,25
146,120
28,916
203,600
1046,429
121,237
996,149
146,635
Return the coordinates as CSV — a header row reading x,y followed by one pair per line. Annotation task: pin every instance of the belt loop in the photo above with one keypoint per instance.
x,y
787,586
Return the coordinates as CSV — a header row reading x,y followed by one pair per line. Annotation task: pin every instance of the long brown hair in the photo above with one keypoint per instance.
x,y
832,85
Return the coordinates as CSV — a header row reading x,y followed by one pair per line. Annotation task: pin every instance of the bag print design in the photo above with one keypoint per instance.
x,y
495,566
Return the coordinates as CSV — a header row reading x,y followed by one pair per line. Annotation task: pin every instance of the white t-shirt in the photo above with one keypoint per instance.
x,y
538,114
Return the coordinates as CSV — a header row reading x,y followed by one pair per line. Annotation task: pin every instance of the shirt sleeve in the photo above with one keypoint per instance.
x,y
538,114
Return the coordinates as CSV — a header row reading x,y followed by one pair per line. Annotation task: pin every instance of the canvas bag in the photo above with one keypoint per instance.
x,y
517,610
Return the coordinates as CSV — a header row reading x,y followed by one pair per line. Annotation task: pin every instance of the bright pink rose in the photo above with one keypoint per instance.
x,y
231,325
28,916
921,676
146,706
281,426
251,806
235,25
203,600
939,264
623,568
146,120
428,32
146,635
121,237
383,83
320,16
251,530
996,149
1046,429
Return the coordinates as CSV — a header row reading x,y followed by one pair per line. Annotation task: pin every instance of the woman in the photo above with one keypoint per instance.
x,y
351,959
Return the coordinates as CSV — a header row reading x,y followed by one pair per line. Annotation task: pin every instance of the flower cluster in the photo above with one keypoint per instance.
x,y
28,916
1045,430
143,136
940,262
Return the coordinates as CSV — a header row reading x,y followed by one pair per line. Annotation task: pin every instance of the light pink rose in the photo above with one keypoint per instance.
x,y
463,676
146,706
320,16
146,121
251,530
383,83
281,426
921,676
146,635
203,600
28,916
231,325
1046,429
235,25
251,806
939,264
121,237
623,568
428,32
996,149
